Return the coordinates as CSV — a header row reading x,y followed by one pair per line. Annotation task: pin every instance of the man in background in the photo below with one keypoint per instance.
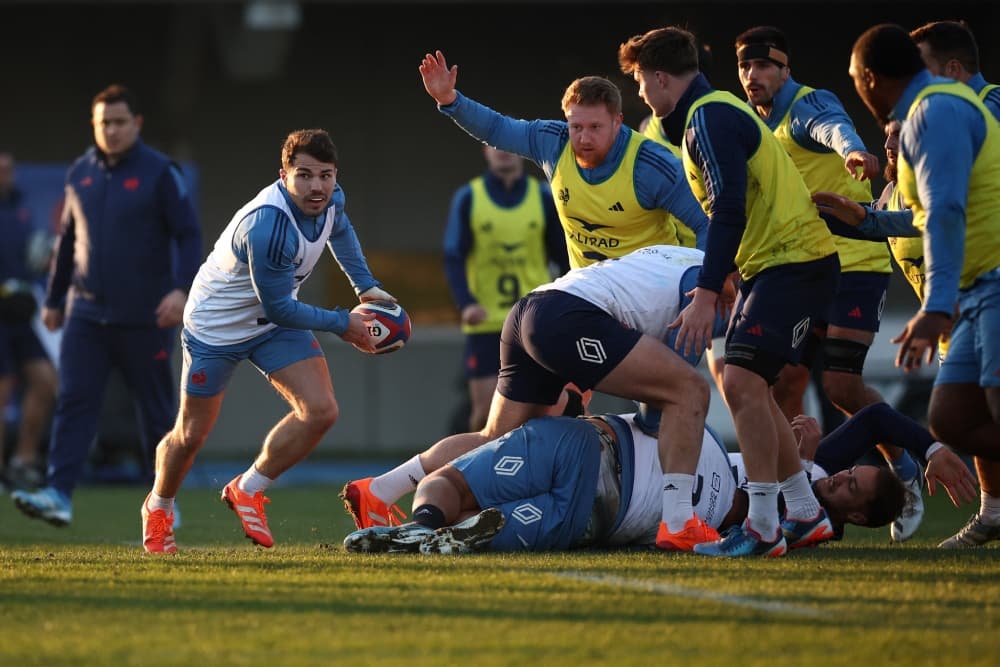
x,y
502,236
128,249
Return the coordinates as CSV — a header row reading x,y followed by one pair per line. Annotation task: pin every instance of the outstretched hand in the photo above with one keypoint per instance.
x,y
840,207
439,80
946,467
866,161
919,339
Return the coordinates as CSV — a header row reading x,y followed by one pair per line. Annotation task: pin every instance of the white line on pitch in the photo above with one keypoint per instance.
x,y
681,591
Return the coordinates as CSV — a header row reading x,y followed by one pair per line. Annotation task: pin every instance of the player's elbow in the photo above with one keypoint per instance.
x,y
279,312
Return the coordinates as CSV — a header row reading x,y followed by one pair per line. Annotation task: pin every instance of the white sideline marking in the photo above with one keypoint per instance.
x,y
698,594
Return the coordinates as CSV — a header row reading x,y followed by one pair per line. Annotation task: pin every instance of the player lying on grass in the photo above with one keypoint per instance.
x,y
561,483
607,327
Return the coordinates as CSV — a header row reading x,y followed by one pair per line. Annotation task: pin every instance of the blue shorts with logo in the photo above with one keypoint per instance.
x,y
859,301
542,477
778,307
482,355
974,349
207,369
550,338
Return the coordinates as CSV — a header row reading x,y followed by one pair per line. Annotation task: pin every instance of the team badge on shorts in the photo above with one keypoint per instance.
x,y
591,350
799,333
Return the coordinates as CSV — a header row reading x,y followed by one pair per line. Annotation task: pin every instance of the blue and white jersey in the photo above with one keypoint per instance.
x,y
714,488
643,290
223,307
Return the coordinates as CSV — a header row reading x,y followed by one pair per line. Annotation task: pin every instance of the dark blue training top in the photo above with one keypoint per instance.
x,y
129,236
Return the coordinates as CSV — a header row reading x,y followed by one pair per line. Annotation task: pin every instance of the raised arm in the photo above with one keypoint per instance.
x,y
439,79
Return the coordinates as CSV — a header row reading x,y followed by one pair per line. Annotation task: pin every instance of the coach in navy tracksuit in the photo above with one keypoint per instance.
x,y
129,248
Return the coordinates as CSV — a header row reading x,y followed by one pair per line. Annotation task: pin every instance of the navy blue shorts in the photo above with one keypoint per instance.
x,y
859,301
779,306
482,355
18,344
550,338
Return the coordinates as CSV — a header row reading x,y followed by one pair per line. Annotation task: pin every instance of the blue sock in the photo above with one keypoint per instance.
x,y
905,467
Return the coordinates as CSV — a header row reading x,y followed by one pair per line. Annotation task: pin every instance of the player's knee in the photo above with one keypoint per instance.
x,y
186,436
766,365
323,414
944,428
696,392
844,356
735,389
686,388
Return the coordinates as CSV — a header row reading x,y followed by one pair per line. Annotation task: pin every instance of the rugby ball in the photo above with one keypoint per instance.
x,y
391,327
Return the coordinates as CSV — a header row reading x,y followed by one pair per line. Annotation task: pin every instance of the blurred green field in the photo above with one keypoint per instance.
x,y
88,595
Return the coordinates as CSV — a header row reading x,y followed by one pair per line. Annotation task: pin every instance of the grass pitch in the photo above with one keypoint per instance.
x,y
88,595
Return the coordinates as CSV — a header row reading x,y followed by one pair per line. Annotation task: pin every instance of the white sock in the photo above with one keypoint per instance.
x,y
677,508
252,481
800,501
762,516
155,502
393,485
989,509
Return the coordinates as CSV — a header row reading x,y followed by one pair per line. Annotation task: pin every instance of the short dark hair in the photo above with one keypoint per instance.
x,y
763,34
114,93
887,504
949,40
315,143
593,90
672,50
887,50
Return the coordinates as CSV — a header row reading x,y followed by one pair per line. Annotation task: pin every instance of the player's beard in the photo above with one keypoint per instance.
x,y
890,172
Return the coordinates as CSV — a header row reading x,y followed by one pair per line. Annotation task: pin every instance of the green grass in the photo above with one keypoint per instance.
x,y
87,595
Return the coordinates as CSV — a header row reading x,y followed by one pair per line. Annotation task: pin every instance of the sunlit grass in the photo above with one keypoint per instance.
x,y
88,595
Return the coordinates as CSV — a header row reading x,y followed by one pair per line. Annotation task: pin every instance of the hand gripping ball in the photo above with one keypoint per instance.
x,y
391,327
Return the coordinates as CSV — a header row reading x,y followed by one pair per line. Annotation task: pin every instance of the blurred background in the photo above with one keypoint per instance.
x,y
222,83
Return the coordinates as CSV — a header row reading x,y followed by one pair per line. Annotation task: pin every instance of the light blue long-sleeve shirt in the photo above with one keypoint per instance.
x,y
818,122
269,246
992,99
940,140
659,175
882,224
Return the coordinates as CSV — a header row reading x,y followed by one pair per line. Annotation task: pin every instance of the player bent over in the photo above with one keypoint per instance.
x,y
243,306
604,327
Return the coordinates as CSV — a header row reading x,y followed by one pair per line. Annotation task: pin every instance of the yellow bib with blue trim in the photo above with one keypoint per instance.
x,y
982,208
824,172
782,223
508,258
603,220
